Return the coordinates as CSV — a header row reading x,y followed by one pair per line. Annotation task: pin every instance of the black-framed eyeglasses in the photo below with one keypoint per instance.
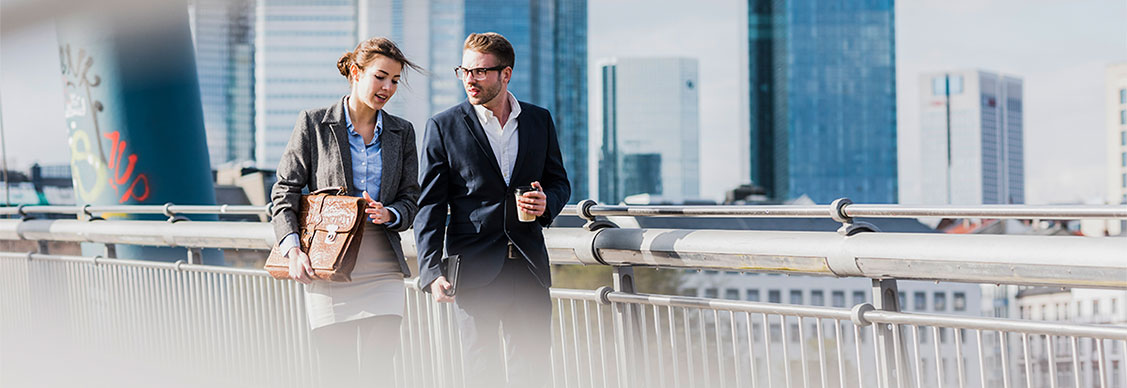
x,y
478,73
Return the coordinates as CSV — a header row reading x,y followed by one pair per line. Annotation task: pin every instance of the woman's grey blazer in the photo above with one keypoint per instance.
x,y
318,156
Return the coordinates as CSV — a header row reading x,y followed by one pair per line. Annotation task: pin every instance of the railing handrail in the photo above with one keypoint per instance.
x,y
1059,261
859,315
842,209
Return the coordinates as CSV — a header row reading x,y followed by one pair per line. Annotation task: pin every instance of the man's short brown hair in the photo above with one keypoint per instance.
x,y
492,43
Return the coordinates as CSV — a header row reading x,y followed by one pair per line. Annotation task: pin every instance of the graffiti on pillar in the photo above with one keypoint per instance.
x,y
94,170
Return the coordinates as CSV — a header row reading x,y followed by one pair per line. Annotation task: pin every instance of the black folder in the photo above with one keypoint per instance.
x,y
452,263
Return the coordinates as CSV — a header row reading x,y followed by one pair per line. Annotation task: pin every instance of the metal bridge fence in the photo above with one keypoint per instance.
x,y
231,327
143,323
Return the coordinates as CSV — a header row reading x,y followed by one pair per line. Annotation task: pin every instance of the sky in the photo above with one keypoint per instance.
x,y
1059,49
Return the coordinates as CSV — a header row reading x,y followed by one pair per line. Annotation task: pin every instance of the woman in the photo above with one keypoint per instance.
x,y
354,144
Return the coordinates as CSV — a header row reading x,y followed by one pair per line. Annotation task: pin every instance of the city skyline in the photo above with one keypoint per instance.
x,y
1066,141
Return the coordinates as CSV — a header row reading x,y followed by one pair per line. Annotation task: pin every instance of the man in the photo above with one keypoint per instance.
x,y
474,156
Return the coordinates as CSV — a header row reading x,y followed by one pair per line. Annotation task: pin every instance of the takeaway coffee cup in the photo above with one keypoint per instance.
x,y
522,215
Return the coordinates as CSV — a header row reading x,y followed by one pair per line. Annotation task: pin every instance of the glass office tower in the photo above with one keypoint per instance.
x,y
822,99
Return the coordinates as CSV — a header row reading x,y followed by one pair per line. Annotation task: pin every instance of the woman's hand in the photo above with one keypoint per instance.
x,y
376,212
301,268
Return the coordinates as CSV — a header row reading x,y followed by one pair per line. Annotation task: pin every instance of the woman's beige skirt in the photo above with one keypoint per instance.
x,y
376,287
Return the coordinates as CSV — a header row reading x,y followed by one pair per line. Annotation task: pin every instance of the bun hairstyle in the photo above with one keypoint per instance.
x,y
366,52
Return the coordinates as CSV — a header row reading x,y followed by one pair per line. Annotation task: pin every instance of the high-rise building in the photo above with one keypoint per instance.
x,y
1116,140
650,145
822,99
971,135
570,92
297,45
406,24
550,40
223,33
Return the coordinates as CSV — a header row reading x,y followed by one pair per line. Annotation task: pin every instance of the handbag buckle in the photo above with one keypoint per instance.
x,y
332,235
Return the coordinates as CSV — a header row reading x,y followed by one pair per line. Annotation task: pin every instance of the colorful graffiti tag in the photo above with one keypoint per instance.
x,y
93,170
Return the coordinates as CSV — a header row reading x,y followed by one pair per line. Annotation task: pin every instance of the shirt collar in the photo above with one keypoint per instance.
x,y
352,131
484,114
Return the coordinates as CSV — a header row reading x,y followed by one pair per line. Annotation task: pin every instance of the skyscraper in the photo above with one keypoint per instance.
x,y
223,33
822,99
297,45
550,40
650,146
971,135
570,92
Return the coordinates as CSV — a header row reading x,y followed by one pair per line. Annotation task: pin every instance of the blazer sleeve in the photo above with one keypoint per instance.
x,y
430,224
554,177
406,200
293,175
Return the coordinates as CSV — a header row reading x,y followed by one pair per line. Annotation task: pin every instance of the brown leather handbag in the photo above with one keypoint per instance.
x,y
331,228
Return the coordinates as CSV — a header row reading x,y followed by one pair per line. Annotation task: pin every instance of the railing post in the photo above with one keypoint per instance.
x,y
624,325
886,297
195,256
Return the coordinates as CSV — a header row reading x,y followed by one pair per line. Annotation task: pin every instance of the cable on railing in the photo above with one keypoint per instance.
x,y
589,209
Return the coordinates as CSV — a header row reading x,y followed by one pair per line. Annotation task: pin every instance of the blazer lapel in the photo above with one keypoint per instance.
x,y
334,119
390,146
479,137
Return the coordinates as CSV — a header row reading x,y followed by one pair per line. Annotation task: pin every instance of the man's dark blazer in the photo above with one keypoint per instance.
x,y
460,172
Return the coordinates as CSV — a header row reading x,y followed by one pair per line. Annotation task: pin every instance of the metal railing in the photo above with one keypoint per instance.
x,y
841,208
247,329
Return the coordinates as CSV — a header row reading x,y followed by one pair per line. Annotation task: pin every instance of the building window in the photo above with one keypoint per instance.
x,y
752,295
1123,178
1095,307
1123,117
960,301
838,298
711,293
774,296
919,301
732,294
858,297
1123,138
940,301
939,86
817,298
795,296
956,82
1123,96
1123,159
689,292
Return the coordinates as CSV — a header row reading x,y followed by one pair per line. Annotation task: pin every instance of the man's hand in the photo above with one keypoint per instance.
x,y
376,212
534,202
438,287
301,268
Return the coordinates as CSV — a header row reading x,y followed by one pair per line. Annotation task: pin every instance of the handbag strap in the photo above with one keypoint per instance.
x,y
339,190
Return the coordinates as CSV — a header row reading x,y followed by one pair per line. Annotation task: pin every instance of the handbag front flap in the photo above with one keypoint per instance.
x,y
331,221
